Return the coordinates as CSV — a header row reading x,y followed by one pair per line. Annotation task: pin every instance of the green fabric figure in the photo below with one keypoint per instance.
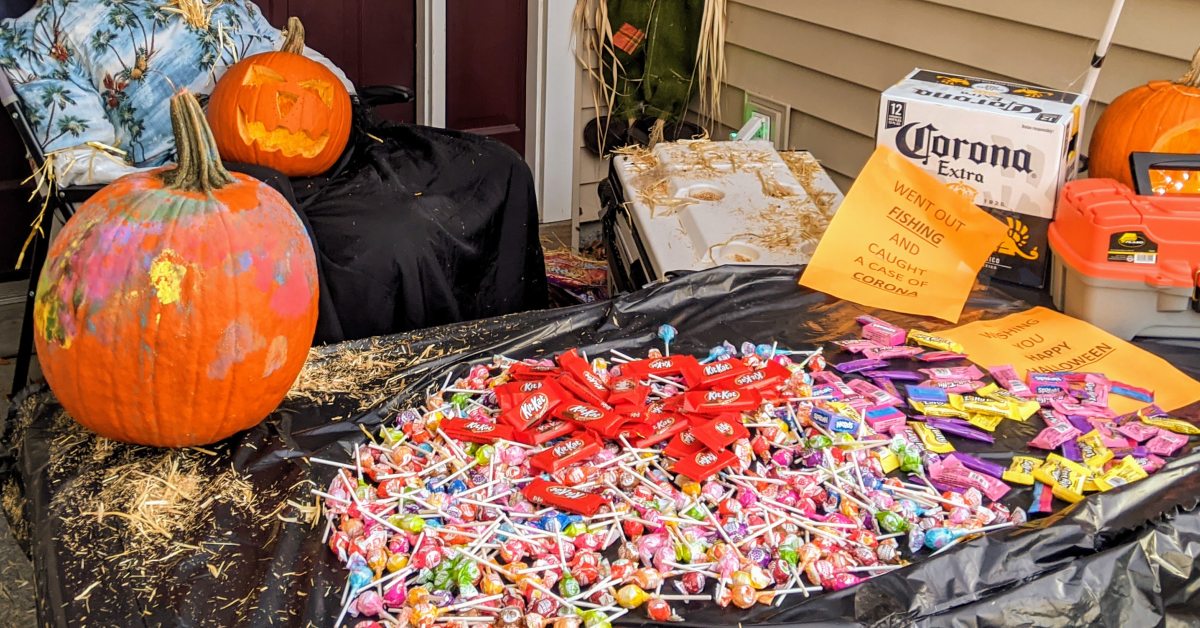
x,y
650,51
671,43
629,20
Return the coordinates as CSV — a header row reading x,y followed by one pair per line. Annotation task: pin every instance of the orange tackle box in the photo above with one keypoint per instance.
x,y
1126,262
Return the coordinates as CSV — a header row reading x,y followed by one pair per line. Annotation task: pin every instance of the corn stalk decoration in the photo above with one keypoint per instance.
x,y
653,57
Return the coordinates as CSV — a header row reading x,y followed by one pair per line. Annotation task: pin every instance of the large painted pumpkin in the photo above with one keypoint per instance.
x,y
281,110
1160,116
178,305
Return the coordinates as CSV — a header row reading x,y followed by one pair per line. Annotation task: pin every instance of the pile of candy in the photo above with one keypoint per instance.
x,y
568,492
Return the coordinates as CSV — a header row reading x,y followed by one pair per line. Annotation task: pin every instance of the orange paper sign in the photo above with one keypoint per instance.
x,y
903,241
1044,340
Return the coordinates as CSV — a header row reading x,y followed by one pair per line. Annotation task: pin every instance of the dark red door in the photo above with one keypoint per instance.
x,y
372,41
485,68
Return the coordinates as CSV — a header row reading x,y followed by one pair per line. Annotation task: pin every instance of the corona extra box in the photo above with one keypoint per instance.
x,y
1007,147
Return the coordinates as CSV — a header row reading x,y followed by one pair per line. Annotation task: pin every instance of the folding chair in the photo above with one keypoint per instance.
x,y
63,201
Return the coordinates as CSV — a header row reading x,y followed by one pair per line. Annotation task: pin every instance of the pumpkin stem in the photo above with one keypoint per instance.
x,y
199,167
294,42
1192,77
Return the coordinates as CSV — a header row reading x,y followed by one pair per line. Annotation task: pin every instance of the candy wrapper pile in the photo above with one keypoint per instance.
x,y
568,492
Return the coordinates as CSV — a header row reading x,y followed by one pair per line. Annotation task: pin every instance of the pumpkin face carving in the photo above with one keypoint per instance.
x,y
281,110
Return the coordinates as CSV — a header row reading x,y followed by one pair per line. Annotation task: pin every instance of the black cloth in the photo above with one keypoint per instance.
x,y
416,227
1127,557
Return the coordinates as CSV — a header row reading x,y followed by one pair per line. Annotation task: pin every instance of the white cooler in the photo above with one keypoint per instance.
x,y
691,205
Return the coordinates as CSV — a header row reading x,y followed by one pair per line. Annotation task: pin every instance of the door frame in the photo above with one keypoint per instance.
x,y
431,62
550,108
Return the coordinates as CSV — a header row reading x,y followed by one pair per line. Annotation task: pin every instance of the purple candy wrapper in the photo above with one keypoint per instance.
x,y
854,366
1070,450
907,376
1080,422
979,464
960,428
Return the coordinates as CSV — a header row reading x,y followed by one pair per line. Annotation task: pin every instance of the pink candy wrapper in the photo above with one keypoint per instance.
x,y
1093,390
872,392
959,386
891,353
881,331
953,472
1006,376
1054,436
1166,443
856,345
1150,463
886,419
1079,409
941,373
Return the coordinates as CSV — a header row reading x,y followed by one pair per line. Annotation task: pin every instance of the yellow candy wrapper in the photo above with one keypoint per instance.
x,y
1179,426
1065,477
985,421
1124,472
1093,450
1022,408
933,438
934,342
1020,471
943,410
974,404
888,460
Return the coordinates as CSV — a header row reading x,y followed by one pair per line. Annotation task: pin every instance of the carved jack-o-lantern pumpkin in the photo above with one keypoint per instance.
x,y
281,110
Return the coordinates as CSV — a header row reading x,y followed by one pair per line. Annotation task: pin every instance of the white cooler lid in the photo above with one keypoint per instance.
x,y
698,204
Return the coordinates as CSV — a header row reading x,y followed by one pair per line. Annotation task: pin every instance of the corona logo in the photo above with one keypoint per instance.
x,y
563,491
584,413
1017,238
706,458
661,364
533,407
921,143
563,449
722,396
724,428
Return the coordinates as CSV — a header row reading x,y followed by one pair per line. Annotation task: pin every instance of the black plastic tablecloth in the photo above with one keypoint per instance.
x,y
1123,558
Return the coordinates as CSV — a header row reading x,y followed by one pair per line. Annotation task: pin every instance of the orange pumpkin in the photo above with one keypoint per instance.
x,y
178,305
1160,116
281,110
